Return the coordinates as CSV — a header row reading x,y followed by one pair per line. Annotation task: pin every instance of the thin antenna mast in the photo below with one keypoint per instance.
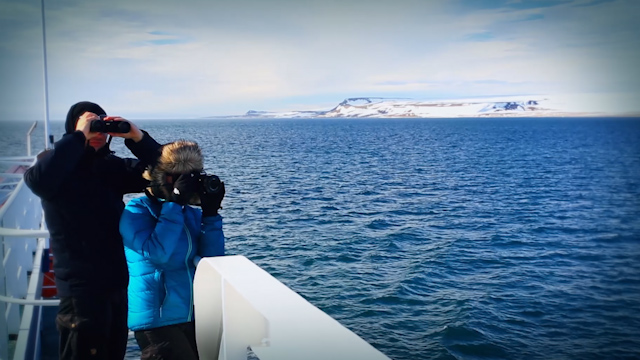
x,y
47,144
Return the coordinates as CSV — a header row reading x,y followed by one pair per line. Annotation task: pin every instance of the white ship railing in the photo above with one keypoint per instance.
x,y
239,306
23,240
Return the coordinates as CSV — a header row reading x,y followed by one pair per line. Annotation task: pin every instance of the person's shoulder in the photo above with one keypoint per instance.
x,y
140,202
145,204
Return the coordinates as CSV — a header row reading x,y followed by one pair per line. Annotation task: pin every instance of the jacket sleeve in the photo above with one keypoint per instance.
x,y
211,240
130,176
146,149
53,167
153,238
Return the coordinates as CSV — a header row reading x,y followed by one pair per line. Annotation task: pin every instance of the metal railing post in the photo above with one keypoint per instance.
x,y
29,138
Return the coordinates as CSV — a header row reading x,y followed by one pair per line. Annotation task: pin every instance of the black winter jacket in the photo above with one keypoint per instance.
x,y
81,192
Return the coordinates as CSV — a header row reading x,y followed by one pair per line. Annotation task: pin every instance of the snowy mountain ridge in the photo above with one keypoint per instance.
x,y
374,107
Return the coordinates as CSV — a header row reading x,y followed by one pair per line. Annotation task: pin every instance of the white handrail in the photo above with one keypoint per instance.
x,y
18,158
239,305
29,138
11,175
24,233
22,242
19,233
50,302
8,184
28,340
14,194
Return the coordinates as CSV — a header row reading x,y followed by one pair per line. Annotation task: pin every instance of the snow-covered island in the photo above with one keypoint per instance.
x,y
507,106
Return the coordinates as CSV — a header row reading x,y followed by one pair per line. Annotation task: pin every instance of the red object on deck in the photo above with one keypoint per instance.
x,y
49,281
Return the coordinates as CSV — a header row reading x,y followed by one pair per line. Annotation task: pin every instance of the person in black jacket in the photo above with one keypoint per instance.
x,y
81,185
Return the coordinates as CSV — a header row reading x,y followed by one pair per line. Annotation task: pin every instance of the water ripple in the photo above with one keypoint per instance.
x,y
442,239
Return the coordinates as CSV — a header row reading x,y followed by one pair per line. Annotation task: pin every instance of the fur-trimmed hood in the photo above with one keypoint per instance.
x,y
178,157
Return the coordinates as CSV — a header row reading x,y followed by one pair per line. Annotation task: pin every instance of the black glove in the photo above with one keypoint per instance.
x,y
184,186
210,201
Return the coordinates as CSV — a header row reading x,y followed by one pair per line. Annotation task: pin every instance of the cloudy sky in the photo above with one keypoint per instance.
x,y
195,58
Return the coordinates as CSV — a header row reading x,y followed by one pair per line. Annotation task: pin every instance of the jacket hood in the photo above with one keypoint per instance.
x,y
77,110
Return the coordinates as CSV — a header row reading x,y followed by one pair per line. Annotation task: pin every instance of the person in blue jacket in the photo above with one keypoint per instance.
x,y
164,238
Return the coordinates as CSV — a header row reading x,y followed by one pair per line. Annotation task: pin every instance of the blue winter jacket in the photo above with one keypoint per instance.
x,y
163,243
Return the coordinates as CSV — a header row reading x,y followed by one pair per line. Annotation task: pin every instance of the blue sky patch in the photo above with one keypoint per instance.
x,y
508,4
480,36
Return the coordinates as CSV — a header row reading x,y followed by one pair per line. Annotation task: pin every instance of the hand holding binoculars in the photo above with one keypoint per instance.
x,y
109,126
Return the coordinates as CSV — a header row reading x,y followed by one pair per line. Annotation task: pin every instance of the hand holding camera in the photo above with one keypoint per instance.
x,y
184,186
211,191
208,187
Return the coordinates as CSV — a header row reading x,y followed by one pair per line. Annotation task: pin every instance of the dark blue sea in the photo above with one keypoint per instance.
x,y
438,238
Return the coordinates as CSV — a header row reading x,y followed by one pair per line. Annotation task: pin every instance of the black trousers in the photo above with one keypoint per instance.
x,y
168,342
93,326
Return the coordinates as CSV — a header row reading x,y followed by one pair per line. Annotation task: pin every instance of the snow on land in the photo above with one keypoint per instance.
x,y
441,108
511,106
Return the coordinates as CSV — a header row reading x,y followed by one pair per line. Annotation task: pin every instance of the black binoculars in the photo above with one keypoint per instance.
x,y
109,126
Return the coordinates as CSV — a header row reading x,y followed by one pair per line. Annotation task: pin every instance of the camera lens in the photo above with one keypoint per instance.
x,y
211,183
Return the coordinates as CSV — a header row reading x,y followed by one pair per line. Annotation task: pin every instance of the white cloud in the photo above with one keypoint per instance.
x,y
198,58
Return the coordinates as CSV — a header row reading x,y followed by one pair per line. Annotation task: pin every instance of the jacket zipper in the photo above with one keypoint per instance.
x,y
166,292
186,263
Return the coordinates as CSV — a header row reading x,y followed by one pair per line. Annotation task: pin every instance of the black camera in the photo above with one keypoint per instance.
x,y
209,184
109,126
